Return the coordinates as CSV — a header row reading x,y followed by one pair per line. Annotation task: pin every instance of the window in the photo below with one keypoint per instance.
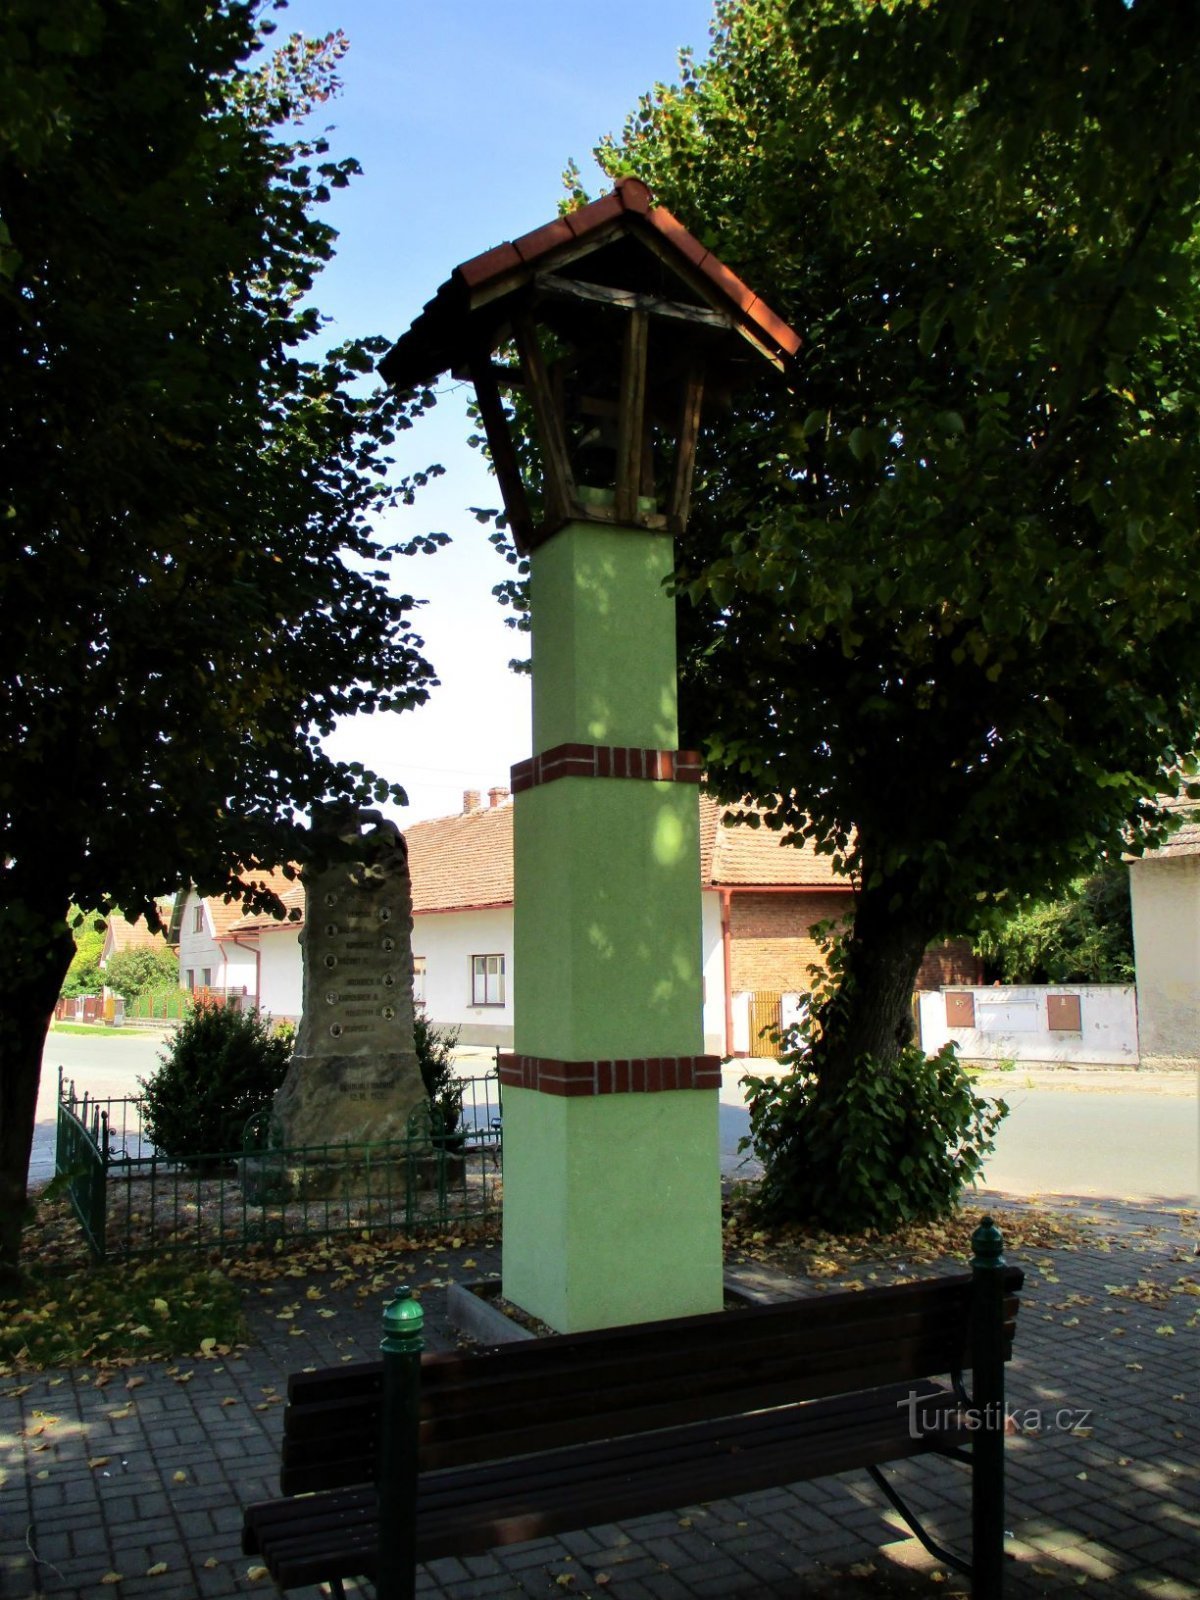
x,y
487,980
418,980
190,977
198,920
206,977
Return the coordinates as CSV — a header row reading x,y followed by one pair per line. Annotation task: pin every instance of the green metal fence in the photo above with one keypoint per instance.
x,y
167,1006
131,1200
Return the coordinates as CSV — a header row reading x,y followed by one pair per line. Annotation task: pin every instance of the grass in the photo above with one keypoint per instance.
x,y
64,1316
99,1030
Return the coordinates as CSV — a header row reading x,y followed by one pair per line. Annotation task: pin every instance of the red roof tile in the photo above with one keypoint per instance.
x,y
739,856
438,338
1185,841
464,860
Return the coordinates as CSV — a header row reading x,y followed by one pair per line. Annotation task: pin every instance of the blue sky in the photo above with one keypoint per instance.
x,y
463,114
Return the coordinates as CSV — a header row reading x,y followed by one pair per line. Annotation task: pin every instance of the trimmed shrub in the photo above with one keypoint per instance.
x,y
888,1147
220,1068
435,1057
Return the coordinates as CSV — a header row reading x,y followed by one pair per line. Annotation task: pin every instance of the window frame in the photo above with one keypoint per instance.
x,y
482,979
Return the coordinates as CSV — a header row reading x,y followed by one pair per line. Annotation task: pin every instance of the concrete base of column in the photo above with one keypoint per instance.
x,y
612,1207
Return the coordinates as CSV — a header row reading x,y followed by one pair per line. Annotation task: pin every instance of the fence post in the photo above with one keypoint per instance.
x,y
399,1444
987,1447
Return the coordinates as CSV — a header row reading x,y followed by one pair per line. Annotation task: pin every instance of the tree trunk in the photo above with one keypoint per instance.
x,y
870,1014
35,951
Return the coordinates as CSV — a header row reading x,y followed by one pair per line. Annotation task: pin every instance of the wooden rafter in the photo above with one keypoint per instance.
x,y
504,456
631,413
560,492
687,433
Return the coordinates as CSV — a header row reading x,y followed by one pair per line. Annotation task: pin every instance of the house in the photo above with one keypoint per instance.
x,y
121,935
760,902
1164,886
219,945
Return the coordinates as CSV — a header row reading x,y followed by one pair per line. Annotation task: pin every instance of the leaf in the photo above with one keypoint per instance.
x,y
134,1382
113,1577
98,1461
256,1574
157,1570
179,1477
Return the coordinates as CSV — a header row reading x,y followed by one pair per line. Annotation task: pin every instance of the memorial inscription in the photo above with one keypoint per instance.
x,y
354,1076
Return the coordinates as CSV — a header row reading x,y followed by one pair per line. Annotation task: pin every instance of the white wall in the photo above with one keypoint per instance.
x,y
1166,938
712,968
1011,1025
231,966
281,972
448,940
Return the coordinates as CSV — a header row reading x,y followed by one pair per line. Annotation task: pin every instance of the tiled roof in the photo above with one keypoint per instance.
x,y
230,916
292,895
438,338
738,856
1185,841
464,860
121,935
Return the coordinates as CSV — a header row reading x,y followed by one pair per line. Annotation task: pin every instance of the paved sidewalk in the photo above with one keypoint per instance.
x,y
146,1476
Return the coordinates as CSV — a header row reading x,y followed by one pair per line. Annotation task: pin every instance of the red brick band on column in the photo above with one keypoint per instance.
x,y
606,761
649,1076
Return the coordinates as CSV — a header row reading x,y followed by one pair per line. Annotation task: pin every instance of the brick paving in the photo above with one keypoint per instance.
x,y
147,1476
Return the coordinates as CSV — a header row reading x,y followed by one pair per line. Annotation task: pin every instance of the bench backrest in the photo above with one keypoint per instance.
x,y
541,1393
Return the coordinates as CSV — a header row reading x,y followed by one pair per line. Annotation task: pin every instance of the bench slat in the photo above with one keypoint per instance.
x,y
474,1509
328,1444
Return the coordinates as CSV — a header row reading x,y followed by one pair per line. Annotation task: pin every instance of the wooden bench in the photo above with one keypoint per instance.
x,y
466,1452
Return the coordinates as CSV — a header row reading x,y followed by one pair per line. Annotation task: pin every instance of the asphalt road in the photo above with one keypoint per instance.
x,y
1125,1136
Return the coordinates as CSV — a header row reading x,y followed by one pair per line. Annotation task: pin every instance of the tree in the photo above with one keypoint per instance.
x,y
192,593
142,969
1084,937
83,974
943,616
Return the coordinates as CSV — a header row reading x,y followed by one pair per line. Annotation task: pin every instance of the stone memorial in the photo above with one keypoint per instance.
x,y
354,1077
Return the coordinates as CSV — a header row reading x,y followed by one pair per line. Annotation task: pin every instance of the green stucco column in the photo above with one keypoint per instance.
x,y
611,1163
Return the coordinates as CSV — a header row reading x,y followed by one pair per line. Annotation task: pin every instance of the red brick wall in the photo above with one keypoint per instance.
x,y
772,946
953,961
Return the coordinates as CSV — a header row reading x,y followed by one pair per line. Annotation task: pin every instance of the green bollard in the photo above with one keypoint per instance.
x,y
399,1445
987,1447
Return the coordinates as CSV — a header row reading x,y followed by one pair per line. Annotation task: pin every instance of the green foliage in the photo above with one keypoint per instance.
x,y
1085,937
220,1068
148,969
960,547
83,975
895,1144
188,487
193,594
435,1057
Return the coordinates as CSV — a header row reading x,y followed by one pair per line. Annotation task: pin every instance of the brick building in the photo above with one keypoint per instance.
x,y
760,901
